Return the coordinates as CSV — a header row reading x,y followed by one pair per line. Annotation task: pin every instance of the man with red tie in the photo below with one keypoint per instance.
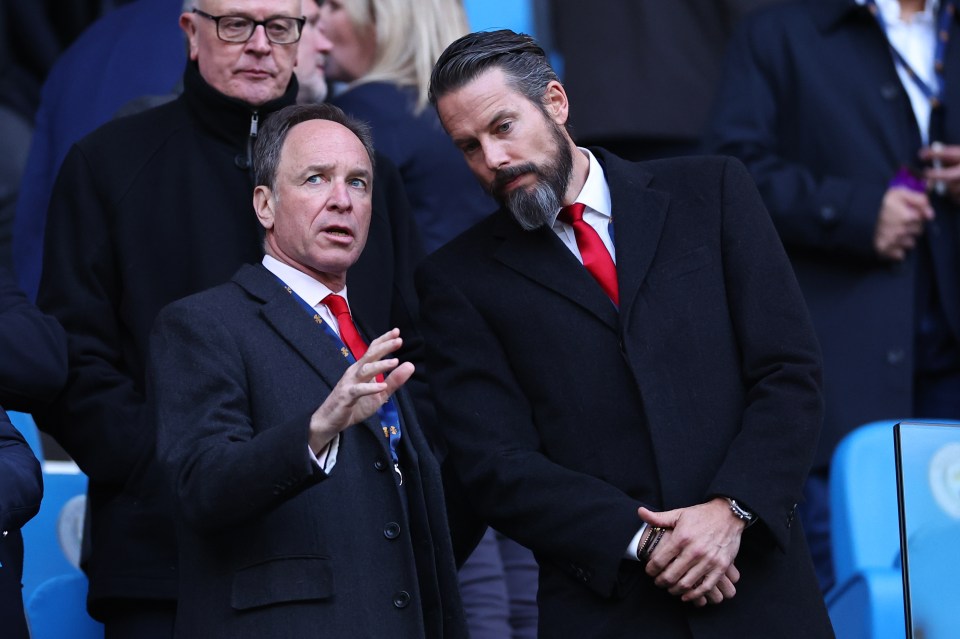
x,y
307,499
624,368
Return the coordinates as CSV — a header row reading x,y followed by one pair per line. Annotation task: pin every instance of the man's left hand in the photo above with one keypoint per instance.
x,y
697,550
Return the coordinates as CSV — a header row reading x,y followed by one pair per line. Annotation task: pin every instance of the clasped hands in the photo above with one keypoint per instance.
x,y
904,212
694,558
358,394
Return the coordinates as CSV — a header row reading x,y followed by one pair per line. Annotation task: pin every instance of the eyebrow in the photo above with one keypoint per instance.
x,y
231,10
313,169
499,115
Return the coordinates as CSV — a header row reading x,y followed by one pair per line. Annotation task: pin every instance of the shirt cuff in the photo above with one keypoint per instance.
x,y
326,459
635,544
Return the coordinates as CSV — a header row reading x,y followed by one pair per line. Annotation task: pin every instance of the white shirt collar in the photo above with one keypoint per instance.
x,y
595,193
309,289
890,9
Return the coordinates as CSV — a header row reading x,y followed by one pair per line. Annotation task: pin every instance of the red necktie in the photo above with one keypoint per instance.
x,y
595,255
348,330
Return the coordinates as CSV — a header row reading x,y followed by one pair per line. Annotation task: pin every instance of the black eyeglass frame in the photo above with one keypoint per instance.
x,y
256,23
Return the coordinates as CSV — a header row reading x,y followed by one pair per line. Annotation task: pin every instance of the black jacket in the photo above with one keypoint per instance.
x,y
564,415
146,210
32,369
271,546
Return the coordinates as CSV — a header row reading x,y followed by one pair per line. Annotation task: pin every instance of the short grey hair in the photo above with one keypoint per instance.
x,y
266,151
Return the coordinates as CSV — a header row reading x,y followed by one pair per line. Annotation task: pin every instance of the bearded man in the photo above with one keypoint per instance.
x,y
624,367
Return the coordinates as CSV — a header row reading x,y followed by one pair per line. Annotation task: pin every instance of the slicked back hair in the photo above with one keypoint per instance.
x,y
266,151
522,60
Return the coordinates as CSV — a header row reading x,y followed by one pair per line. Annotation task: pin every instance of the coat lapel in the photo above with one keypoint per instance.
x,y
284,314
540,256
639,213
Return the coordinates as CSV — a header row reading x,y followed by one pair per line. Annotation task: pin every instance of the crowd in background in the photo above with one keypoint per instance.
x,y
839,109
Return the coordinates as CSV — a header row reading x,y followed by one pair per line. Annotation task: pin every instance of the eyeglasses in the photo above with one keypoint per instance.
x,y
241,28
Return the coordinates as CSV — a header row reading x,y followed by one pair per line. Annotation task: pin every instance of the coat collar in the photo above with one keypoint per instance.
x,y
226,118
639,214
290,320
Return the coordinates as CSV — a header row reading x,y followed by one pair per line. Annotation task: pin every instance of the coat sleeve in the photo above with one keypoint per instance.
x,y
33,351
22,484
759,102
99,418
767,461
223,470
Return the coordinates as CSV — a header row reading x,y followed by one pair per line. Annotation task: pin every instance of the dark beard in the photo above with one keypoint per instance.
x,y
535,206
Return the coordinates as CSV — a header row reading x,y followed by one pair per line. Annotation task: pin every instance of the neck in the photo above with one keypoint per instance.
x,y
908,8
578,177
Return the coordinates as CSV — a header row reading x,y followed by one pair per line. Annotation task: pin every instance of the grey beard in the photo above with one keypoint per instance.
x,y
535,207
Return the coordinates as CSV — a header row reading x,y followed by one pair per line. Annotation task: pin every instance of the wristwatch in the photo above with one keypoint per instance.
x,y
740,512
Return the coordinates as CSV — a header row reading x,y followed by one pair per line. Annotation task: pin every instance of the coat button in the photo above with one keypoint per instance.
x,y
401,599
391,530
895,356
380,464
889,91
828,215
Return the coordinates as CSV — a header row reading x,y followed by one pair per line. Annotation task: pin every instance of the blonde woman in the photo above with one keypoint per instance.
x,y
381,57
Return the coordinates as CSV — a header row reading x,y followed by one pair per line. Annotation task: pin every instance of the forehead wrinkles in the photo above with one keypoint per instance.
x,y
266,7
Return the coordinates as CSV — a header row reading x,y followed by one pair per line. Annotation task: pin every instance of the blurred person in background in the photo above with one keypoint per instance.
x,y
132,51
665,57
382,55
841,109
33,368
148,209
312,52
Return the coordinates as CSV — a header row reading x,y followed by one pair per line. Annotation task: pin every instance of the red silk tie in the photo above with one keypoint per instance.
x,y
348,330
595,255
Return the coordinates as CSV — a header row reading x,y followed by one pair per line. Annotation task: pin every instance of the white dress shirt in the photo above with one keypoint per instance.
x,y
597,212
916,40
313,293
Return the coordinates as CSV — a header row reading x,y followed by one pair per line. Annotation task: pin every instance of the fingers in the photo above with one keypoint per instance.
x,y
946,153
726,587
389,342
901,221
732,574
399,376
664,519
694,559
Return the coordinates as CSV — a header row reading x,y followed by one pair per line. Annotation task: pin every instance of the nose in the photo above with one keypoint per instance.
x,y
321,42
340,199
494,154
258,42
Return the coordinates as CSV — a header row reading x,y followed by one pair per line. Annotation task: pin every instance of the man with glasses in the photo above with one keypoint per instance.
x,y
149,209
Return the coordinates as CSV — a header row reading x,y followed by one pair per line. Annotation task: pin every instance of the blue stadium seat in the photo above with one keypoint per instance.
x,y
24,423
51,540
867,600
57,610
